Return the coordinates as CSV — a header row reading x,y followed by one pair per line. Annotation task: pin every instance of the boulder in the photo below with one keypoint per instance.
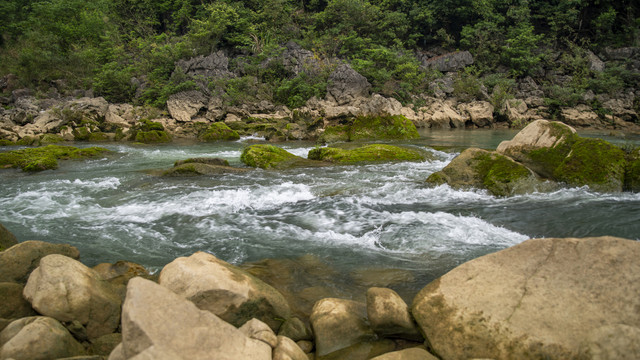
x,y
225,290
338,324
257,330
489,170
594,62
544,298
12,303
361,351
296,60
516,112
125,269
89,107
617,341
37,338
449,62
287,349
17,262
395,127
415,353
213,66
441,115
183,106
480,113
67,290
273,157
377,105
218,131
367,153
581,116
159,324
345,85
46,157
389,315
105,344
295,329
7,239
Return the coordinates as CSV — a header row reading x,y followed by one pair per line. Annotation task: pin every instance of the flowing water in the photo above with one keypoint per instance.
x,y
354,218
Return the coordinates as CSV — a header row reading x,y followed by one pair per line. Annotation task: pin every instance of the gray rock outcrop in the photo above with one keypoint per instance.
x,y
183,106
345,85
449,62
215,65
67,290
17,262
544,298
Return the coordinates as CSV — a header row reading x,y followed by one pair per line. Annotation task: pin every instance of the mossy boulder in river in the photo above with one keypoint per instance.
x,y
201,166
273,157
218,131
368,153
150,132
632,175
395,127
489,170
46,157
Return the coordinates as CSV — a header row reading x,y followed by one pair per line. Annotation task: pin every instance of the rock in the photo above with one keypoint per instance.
x,y
218,131
295,329
152,137
12,303
632,177
46,157
389,315
121,268
273,157
449,62
594,62
543,298
623,108
361,351
382,128
257,330
224,290
91,108
7,239
183,106
159,324
338,324
479,112
197,169
288,350
37,338
415,353
515,110
105,344
367,153
305,345
208,161
581,116
382,277
345,85
554,151
441,115
377,105
17,262
296,60
617,341
213,66
486,170
67,290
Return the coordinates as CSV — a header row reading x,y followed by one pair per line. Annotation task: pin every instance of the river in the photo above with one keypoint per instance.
x,y
353,218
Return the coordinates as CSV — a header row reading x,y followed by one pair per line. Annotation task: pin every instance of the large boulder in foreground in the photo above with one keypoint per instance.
x,y
7,239
12,303
159,324
67,290
273,157
37,338
367,153
17,262
541,299
225,290
555,151
483,169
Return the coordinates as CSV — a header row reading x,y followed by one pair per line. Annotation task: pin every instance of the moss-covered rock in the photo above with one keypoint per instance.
x,y
44,158
632,174
489,170
335,133
218,131
208,161
368,153
273,157
5,142
99,136
7,239
395,127
196,169
152,136
81,133
47,139
27,141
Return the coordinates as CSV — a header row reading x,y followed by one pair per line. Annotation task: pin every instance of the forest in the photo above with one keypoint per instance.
x,y
126,50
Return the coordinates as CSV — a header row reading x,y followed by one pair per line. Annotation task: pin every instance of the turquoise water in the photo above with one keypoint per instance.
x,y
351,217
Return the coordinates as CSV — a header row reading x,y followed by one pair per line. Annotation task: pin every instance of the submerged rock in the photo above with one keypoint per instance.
x,y
67,290
486,170
368,153
225,290
197,168
543,298
44,158
17,262
7,239
273,157
37,338
159,324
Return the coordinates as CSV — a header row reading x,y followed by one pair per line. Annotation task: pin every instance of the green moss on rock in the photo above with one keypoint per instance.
x,y
632,173
395,127
368,153
50,139
218,131
26,141
335,133
152,136
81,133
273,157
98,137
148,125
208,161
44,158
4,142
197,169
500,174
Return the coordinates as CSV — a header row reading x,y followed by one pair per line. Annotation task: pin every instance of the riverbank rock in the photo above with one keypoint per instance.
x,y
218,131
367,153
416,353
448,62
486,170
480,113
345,85
257,330
7,239
225,290
183,106
12,303
67,290
37,338
159,324
389,315
543,298
18,261
273,157
46,157
339,324
395,127
287,349
555,151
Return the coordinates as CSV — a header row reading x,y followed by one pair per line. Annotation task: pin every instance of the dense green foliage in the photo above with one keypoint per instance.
x,y
126,49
